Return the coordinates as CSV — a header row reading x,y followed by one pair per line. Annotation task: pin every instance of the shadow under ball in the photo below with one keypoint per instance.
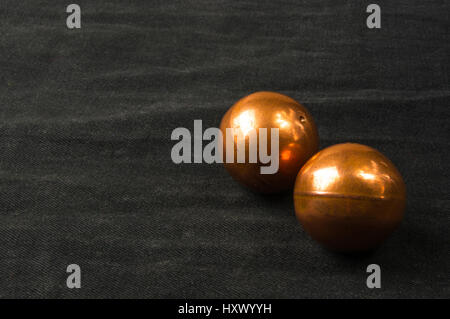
x,y
298,139
349,197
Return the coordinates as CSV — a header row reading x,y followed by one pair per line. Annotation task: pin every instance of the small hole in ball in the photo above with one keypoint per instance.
x,y
302,119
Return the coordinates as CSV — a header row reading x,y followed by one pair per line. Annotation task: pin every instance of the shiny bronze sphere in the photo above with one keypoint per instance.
x,y
349,197
298,139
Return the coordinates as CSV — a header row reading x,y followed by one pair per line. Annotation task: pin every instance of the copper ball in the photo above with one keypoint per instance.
x,y
349,197
298,139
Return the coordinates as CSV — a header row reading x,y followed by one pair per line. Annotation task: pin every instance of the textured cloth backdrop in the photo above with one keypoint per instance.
x,y
86,116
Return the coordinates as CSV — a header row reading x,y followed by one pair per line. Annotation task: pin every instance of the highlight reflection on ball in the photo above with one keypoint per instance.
x,y
298,139
349,197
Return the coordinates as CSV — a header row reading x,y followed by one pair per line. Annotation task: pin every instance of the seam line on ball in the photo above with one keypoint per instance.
x,y
349,196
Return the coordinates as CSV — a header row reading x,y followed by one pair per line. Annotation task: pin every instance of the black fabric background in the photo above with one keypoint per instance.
x,y
85,121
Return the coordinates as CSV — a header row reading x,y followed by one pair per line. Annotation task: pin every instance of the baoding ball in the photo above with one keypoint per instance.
x,y
252,120
349,197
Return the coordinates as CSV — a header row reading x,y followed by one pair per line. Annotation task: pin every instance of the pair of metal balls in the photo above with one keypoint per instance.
x,y
349,197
